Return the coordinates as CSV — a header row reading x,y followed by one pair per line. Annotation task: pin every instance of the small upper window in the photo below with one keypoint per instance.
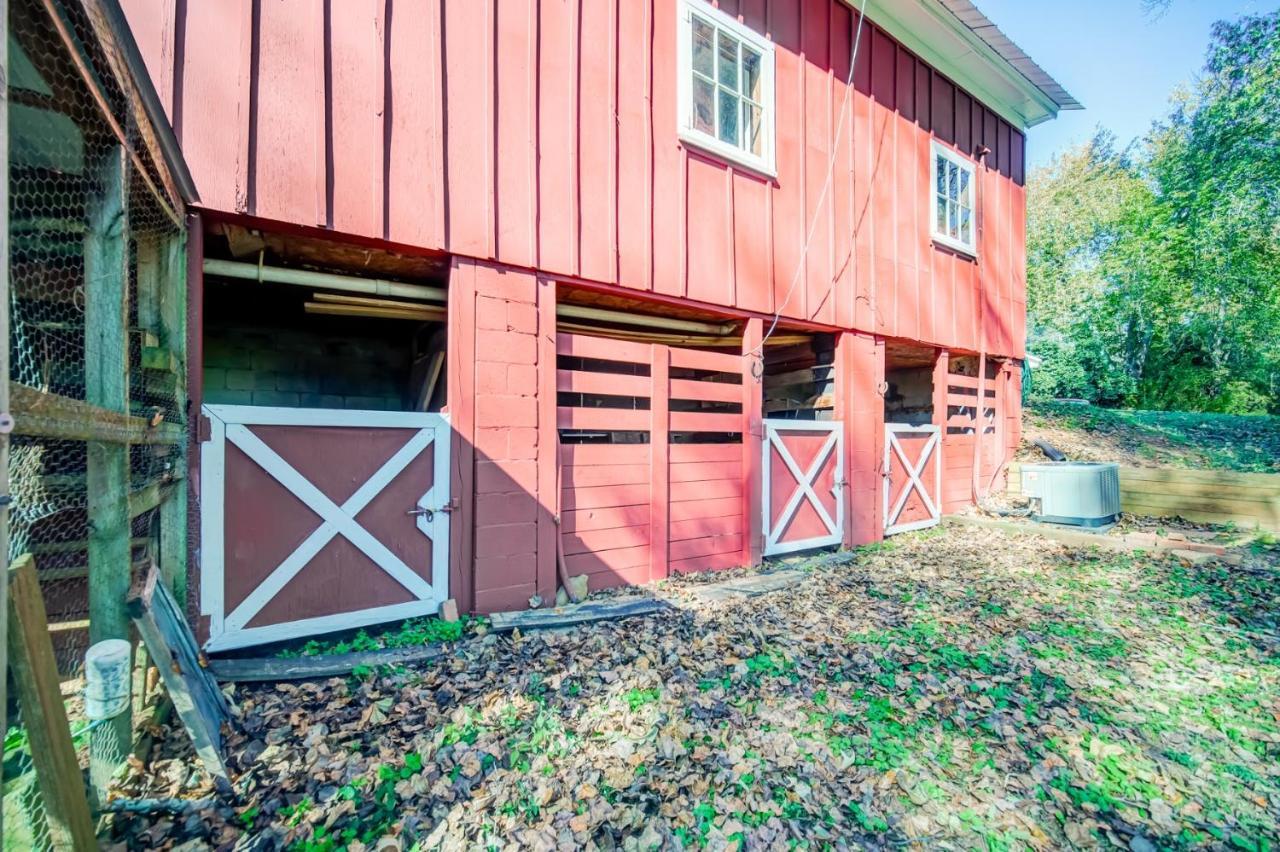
x,y
726,86
953,189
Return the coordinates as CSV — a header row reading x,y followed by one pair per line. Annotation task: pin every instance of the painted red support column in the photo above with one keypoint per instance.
x,y
752,442
513,505
941,368
547,443
659,462
461,400
860,406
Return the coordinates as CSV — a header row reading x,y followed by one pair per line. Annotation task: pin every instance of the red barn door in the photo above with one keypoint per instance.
x,y
912,477
317,520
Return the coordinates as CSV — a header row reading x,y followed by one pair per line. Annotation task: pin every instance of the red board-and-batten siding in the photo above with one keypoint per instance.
x,y
542,134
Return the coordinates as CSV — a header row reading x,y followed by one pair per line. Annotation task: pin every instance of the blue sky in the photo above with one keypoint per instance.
x,y
1120,63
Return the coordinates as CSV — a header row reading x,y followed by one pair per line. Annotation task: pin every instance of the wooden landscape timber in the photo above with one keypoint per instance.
x,y
245,669
1205,496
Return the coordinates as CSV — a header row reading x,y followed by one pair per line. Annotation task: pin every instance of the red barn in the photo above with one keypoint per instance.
x,y
492,293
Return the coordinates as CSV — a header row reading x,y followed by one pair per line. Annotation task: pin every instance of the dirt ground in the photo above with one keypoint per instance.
x,y
1154,438
955,688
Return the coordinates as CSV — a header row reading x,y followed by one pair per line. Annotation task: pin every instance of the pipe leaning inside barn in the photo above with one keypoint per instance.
x,y
424,293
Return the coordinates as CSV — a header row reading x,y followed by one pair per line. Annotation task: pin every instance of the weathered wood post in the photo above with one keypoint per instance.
x,y
4,375
53,754
106,344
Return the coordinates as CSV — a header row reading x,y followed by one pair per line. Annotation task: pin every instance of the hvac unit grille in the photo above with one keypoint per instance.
x,y
1081,493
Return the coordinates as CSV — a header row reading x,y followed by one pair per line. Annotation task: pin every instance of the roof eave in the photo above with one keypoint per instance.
x,y
940,38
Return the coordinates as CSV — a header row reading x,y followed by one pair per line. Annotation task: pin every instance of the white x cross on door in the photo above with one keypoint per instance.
x,y
908,451
320,520
783,440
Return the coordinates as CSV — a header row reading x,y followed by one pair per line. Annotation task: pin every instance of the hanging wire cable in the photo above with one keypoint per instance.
x,y
826,186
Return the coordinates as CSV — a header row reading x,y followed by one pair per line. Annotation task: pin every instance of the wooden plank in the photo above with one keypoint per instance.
x,y
38,414
1198,489
587,476
718,507
702,471
1213,477
705,421
696,453
35,673
106,272
274,669
697,359
586,541
660,463
604,497
708,391
1198,515
709,490
588,346
716,562
600,561
201,707
704,527
609,517
691,548
612,384
1262,510
603,419
610,609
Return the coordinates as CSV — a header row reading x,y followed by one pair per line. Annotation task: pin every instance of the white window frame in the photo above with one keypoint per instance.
x,y
764,163
971,167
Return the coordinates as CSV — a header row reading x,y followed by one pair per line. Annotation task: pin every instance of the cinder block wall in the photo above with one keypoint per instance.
x,y
278,356
502,404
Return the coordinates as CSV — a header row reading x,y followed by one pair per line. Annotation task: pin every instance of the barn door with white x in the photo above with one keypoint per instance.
x,y
826,465
233,551
905,477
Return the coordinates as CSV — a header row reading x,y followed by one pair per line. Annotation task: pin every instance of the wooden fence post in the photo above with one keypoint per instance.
x,y
752,443
106,343
660,461
173,338
4,374
35,673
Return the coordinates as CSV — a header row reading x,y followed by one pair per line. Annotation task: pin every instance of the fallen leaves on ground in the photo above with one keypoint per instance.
x,y
956,688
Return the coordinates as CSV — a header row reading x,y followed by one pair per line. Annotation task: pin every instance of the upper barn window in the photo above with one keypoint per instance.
x,y
726,87
953,182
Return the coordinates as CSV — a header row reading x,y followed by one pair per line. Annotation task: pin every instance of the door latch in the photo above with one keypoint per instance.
x,y
430,514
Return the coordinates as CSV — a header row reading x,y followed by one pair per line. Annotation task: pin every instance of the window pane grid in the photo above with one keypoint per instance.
x,y
953,199
728,87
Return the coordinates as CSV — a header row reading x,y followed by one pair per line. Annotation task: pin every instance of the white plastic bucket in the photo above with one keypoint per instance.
x,y
106,679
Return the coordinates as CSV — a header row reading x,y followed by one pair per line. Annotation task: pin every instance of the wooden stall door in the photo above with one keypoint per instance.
x,y
970,427
803,489
318,520
651,457
912,477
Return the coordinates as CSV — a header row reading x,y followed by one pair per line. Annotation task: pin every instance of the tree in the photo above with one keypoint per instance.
x,y
1154,274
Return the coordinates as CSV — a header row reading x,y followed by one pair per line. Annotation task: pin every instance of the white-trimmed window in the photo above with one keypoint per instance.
x,y
726,87
953,187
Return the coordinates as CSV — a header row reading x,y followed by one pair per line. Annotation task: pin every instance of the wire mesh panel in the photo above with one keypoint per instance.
x,y
97,361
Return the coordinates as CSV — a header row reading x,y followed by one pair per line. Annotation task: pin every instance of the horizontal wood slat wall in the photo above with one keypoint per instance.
x,y
634,512
1207,496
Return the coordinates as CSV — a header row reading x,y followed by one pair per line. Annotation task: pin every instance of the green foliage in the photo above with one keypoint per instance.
x,y
1153,274
407,634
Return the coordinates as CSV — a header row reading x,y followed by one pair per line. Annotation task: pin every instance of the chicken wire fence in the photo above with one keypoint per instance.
x,y
97,359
